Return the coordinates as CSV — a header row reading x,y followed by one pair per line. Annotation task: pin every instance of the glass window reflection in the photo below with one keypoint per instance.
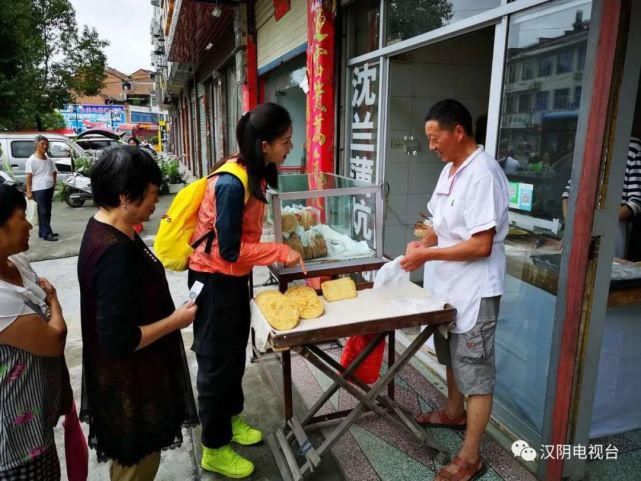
x,y
365,18
541,92
408,19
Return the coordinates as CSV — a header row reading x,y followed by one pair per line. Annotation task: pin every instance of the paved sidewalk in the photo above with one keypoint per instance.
x,y
70,224
262,406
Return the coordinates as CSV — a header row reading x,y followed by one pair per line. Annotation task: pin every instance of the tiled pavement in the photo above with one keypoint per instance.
x,y
374,451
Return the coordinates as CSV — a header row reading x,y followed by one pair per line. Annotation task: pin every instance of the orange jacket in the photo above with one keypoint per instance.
x,y
251,251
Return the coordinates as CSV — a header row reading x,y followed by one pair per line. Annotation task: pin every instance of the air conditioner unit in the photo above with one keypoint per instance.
x,y
155,3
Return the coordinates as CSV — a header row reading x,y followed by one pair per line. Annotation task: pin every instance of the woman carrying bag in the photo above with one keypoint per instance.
x,y
232,211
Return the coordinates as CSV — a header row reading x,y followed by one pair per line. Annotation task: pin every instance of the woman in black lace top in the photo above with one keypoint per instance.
x,y
136,390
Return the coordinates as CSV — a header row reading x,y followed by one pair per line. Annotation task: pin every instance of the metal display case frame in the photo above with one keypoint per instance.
x,y
284,275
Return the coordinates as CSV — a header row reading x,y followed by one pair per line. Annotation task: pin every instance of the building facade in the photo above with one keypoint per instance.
x,y
553,88
124,99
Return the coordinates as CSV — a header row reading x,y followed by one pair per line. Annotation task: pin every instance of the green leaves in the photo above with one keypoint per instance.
x,y
170,168
44,61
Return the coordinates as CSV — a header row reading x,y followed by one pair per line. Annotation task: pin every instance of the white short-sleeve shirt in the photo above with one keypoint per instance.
x,y
473,200
42,171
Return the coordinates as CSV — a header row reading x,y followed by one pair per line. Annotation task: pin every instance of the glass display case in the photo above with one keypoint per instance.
x,y
334,222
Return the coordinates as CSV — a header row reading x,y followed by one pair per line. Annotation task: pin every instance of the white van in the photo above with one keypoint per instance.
x,y
17,147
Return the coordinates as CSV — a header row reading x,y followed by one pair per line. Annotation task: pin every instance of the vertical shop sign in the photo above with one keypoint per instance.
x,y
320,75
362,145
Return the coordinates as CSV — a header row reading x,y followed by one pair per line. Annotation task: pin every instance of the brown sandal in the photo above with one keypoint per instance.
x,y
440,419
466,471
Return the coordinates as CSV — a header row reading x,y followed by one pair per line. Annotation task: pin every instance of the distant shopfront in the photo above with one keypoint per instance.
x,y
80,117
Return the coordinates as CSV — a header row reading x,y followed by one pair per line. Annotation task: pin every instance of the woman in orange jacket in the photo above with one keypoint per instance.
x,y
221,327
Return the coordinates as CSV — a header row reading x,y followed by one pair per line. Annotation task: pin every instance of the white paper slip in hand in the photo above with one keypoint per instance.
x,y
195,290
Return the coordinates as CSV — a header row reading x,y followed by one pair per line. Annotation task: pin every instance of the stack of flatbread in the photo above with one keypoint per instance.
x,y
309,305
283,311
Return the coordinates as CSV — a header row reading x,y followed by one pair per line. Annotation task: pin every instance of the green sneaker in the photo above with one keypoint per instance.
x,y
227,462
243,433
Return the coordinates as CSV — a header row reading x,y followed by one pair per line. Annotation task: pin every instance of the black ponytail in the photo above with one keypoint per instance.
x,y
266,122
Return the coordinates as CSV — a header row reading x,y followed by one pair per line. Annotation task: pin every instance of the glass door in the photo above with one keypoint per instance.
x,y
543,80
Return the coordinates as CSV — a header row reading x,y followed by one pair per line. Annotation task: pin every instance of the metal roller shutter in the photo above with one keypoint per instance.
x,y
275,39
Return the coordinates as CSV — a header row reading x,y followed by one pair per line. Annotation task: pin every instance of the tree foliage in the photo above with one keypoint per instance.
x,y
44,60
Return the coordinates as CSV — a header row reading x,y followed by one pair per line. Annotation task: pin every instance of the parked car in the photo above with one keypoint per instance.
x,y
17,147
95,141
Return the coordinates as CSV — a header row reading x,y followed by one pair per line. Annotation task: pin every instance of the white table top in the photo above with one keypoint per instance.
x,y
369,305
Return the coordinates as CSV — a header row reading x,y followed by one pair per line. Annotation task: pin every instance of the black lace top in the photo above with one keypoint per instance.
x,y
134,401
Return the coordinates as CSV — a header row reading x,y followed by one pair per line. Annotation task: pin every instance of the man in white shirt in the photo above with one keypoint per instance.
x,y
41,180
464,258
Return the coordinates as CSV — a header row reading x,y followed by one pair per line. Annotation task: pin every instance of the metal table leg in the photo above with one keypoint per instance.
x,y
287,383
368,398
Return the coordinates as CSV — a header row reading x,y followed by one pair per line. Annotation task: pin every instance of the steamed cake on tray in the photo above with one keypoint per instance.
x,y
309,305
280,312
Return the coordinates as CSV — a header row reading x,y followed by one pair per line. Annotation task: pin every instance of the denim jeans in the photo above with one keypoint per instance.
x,y
44,199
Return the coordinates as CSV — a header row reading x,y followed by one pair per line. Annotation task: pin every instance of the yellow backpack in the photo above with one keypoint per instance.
x,y
171,245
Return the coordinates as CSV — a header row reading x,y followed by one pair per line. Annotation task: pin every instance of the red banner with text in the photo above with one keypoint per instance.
x,y
320,75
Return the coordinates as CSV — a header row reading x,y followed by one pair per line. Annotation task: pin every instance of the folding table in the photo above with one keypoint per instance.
x,y
372,312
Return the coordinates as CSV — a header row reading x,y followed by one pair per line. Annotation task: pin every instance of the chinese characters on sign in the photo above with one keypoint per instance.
x,y
362,145
320,76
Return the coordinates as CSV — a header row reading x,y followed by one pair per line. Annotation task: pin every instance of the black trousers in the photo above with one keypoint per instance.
x,y
221,332
44,199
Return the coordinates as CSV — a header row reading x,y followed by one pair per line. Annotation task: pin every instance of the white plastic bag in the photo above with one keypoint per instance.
x,y
32,212
391,273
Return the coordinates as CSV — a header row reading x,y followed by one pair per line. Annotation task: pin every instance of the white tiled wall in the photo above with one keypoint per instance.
x,y
458,68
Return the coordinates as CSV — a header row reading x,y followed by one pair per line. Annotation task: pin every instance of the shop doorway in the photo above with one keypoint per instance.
x,y
283,87
458,68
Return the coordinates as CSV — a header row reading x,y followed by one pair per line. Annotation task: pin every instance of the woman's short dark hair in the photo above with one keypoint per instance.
x,y
123,170
135,140
449,113
10,200
266,122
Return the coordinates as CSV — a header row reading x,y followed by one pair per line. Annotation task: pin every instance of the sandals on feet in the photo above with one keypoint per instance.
x,y
466,471
440,419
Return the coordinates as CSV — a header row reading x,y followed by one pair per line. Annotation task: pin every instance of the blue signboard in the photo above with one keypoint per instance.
x,y
144,117
81,117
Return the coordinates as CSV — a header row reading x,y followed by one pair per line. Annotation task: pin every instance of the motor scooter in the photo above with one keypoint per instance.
x,y
77,190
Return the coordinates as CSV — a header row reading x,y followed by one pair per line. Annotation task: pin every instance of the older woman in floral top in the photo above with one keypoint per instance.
x,y
34,383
